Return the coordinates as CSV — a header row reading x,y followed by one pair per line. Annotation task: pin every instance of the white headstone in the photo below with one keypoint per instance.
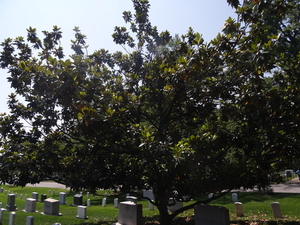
x,y
210,195
21,196
87,194
88,202
30,205
234,197
174,205
62,198
116,202
29,220
103,202
1,214
81,212
151,206
130,213
1,190
212,215
239,209
12,218
276,210
51,207
131,199
148,194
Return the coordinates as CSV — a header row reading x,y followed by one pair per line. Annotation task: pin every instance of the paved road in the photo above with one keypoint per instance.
x,y
48,184
292,186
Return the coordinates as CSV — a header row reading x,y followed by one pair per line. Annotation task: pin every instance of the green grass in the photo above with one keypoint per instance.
x,y
256,207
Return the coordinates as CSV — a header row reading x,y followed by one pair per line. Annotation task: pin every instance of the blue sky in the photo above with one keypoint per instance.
x,y
97,19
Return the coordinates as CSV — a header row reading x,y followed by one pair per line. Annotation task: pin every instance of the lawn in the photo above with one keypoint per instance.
x,y
256,207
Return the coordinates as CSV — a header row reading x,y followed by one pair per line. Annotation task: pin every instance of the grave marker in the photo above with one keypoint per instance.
x,y
103,202
29,220
43,197
51,207
130,213
35,195
88,203
174,205
234,197
276,210
116,202
77,199
12,218
151,206
148,194
81,212
62,198
10,206
30,205
212,215
1,214
131,199
239,209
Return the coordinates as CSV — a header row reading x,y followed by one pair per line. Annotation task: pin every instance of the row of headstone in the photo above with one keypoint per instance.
x,y
51,206
240,212
129,210
78,199
277,213
12,218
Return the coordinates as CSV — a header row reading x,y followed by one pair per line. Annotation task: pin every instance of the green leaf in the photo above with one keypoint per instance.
x,y
22,65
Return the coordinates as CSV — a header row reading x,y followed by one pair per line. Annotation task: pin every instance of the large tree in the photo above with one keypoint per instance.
x,y
179,116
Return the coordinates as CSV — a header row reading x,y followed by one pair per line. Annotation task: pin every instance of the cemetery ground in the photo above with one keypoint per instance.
x,y
256,208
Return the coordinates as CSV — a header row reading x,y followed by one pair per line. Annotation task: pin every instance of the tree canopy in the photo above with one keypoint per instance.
x,y
179,116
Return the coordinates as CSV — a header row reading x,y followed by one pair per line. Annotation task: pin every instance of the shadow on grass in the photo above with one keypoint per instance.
x,y
154,220
99,223
271,222
190,221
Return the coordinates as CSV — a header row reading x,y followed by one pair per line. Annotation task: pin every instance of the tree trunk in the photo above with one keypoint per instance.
x,y
164,217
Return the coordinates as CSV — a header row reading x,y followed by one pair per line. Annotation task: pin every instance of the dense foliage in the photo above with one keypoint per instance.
x,y
179,116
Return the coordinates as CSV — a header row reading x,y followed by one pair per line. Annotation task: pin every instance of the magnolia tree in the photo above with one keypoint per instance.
x,y
179,116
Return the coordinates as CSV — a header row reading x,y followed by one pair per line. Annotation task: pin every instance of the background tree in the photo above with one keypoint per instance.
x,y
184,119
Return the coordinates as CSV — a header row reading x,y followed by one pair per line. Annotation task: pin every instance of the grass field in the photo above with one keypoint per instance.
x,y
256,207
